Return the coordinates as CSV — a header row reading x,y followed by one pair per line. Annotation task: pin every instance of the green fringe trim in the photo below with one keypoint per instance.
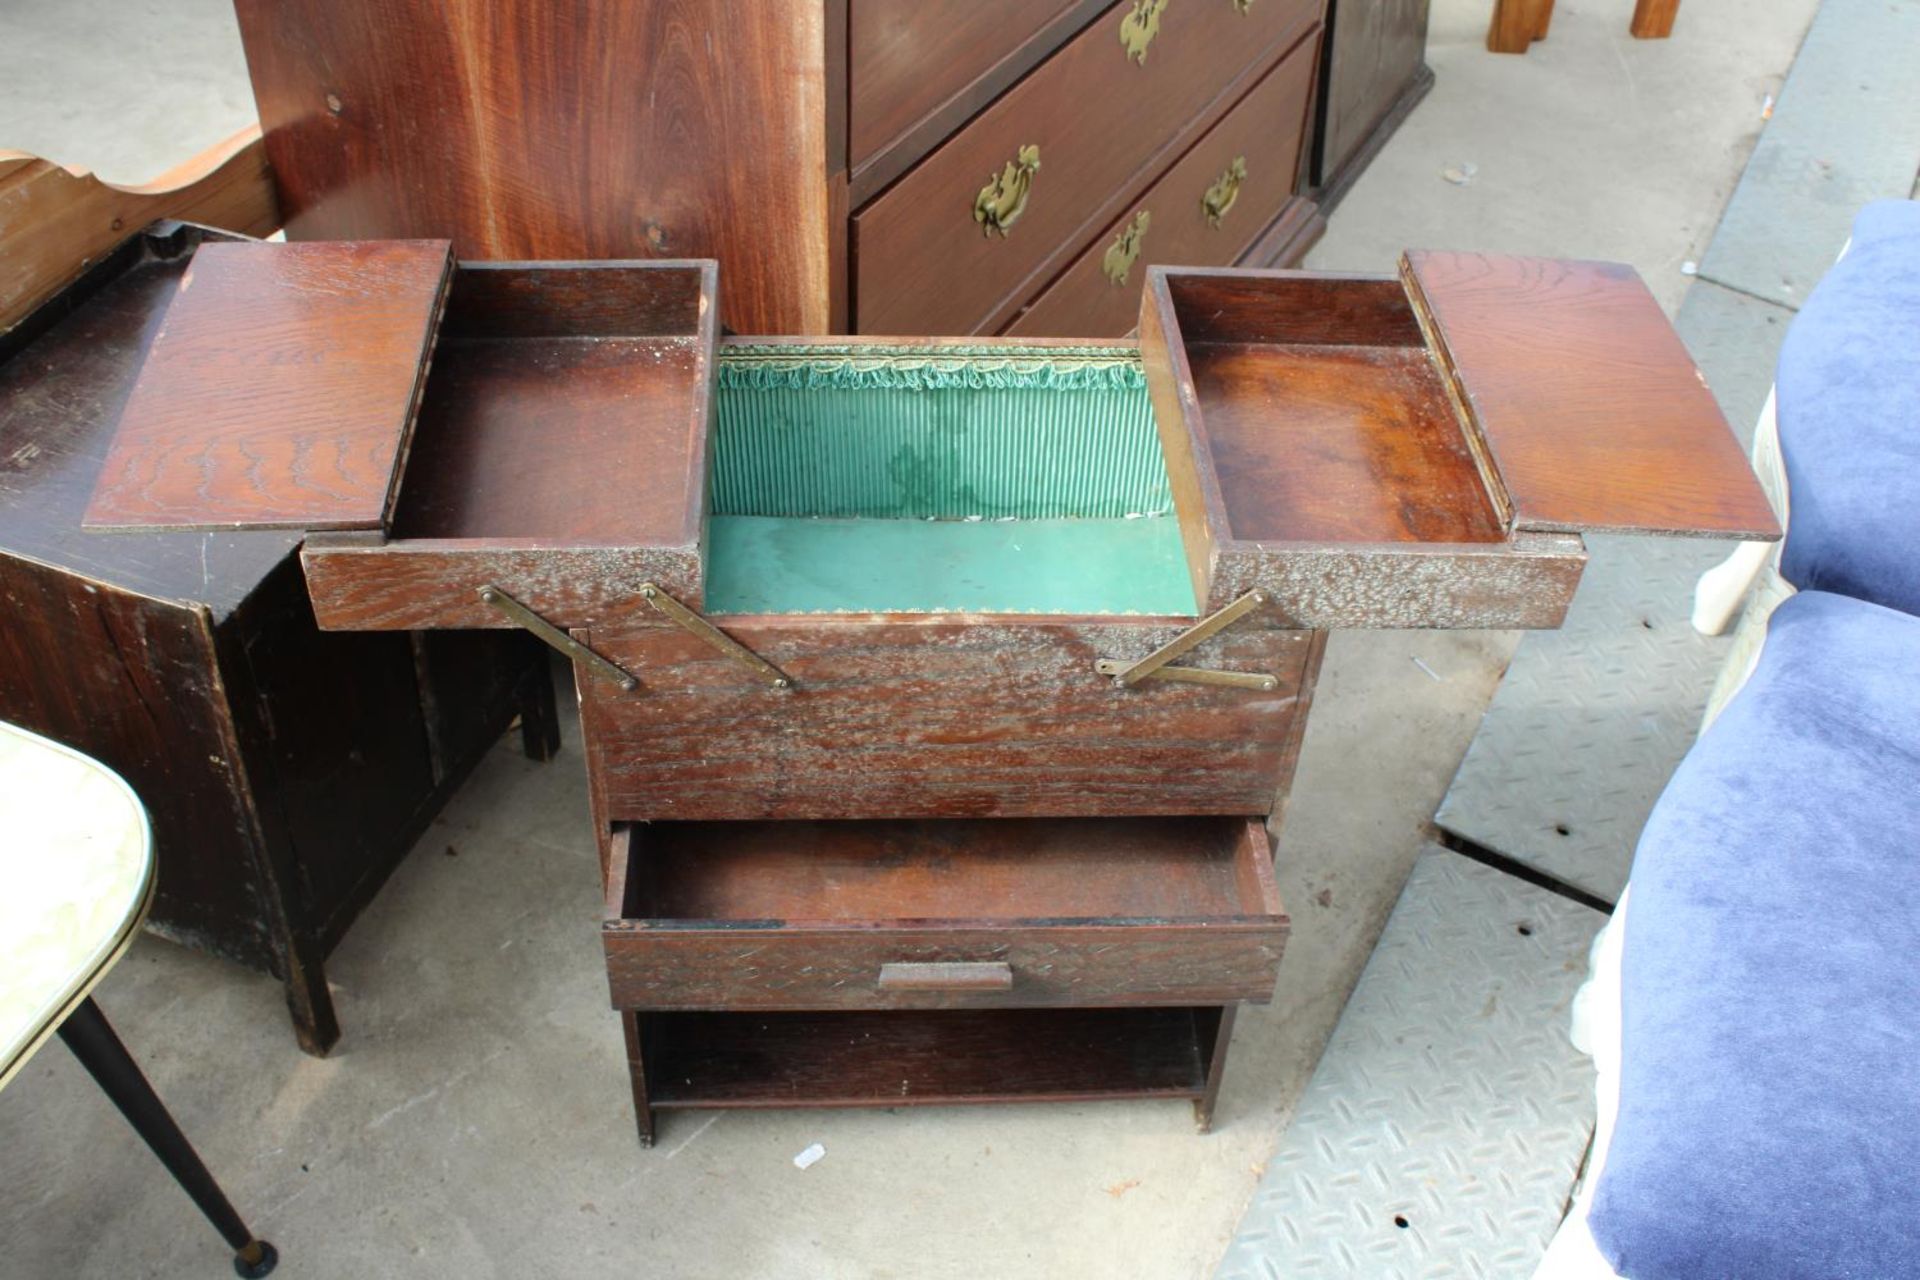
x,y
984,367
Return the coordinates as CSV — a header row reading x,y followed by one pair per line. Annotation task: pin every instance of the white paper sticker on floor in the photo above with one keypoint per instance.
x,y
810,1157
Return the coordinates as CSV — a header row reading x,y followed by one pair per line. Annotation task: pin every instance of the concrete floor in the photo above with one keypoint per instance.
x,y
474,1119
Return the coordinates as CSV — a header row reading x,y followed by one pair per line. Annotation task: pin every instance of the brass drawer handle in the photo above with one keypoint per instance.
x,y
1125,249
1218,202
1243,6
985,975
1139,25
1004,198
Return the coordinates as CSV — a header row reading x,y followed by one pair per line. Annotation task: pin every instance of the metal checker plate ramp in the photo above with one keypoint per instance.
x,y
1449,1097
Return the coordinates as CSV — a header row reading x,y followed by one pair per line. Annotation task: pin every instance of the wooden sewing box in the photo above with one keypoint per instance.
x,y
935,693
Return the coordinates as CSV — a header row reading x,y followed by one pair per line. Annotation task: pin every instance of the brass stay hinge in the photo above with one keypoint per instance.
x,y
1157,665
725,644
601,665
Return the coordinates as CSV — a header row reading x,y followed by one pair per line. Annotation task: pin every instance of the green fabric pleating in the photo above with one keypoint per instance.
x,y
992,479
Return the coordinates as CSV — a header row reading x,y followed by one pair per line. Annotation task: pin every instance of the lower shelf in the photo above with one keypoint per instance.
x,y
903,1058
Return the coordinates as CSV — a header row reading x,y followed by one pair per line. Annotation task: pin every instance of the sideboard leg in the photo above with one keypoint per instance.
x,y
99,1050
539,713
1513,27
1653,19
1542,18
637,1072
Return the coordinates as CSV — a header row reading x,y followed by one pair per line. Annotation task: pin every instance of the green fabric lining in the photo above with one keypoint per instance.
x,y
989,478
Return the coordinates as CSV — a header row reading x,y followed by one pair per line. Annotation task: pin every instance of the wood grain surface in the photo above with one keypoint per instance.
x,y
1087,301
56,222
786,915
1593,413
937,716
1104,125
279,391
562,130
1375,49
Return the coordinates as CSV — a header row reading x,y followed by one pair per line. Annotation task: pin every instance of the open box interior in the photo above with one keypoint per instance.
x,y
1051,869
560,407
890,478
925,1055
1325,415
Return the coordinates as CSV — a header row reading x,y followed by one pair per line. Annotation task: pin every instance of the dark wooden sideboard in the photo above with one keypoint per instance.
x,y
286,771
869,166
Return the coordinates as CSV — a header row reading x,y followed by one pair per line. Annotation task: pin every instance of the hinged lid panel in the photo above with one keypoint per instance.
x,y
1592,413
280,391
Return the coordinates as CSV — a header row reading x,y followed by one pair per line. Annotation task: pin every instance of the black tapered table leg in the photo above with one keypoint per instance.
x,y
107,1060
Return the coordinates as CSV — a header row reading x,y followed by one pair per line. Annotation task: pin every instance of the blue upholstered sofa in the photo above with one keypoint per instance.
x,y
1759,1028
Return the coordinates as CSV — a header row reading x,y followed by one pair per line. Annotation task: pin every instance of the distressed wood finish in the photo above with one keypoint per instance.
x,y
795,915
553,129
923,263
936,716
1592,411
1087,300
286,771
295,370
56,222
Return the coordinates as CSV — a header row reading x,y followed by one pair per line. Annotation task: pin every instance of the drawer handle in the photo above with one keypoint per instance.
x,y
944,975
1139,25
1218,202
1244,6
1004,198
1125,249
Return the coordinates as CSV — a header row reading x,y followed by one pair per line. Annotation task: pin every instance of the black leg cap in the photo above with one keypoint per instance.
x,y
256,1260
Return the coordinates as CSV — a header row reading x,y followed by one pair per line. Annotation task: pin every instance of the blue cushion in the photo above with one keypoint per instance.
x,y
1770,1082
1849,404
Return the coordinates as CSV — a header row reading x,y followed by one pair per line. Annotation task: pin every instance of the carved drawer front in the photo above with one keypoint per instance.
x,y
970,914
976,224
1205,211
926,716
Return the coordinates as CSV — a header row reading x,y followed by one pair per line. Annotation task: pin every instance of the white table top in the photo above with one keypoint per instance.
x,y
76,876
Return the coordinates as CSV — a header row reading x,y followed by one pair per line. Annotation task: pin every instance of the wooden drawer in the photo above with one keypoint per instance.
x,y
1098,121
926,716
942,915
907,59
1250,157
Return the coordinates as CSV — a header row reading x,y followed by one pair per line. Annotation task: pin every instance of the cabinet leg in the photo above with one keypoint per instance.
x,y
1653,19
1542,18
99,1050
1515,26
637,1074
1216,1064
539,713
309,1002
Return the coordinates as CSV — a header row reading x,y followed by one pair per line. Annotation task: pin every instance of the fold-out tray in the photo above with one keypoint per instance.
x,y
1422,450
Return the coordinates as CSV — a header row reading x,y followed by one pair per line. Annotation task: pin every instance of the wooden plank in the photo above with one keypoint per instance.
x,y
552,129
280,390
929,716
56,222
1591,410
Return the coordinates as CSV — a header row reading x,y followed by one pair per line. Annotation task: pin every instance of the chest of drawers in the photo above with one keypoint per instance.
x,y
934,692
861,166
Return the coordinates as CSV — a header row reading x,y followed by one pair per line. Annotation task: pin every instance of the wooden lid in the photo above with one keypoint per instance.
x,y
1592,413
280,390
